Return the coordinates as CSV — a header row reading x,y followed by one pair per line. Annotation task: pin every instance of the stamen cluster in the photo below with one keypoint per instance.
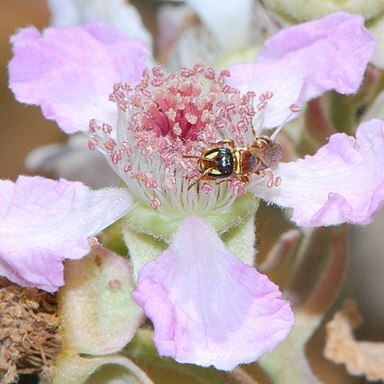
x,y
165,117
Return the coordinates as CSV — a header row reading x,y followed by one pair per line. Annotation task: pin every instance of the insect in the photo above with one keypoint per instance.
x,y
224,160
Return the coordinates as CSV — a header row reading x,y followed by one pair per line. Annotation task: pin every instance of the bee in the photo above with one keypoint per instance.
x,y
224,160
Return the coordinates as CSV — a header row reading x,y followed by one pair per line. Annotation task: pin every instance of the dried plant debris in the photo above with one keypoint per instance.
x,y
359,357
29,331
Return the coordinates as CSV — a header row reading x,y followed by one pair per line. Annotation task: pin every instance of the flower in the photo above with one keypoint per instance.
x,y
207,305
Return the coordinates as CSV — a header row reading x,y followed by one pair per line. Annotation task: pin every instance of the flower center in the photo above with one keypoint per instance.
x,y
165,123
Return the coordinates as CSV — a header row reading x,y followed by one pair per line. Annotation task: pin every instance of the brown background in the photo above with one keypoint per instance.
x,y
22,127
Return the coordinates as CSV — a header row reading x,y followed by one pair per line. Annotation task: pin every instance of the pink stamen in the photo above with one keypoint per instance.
x,y
295,108
210,74
237,187
116,157
206,188
92,126
92,143
145,178
266,96
169,183
152,184
155,203
110,145
272,180
107,128
278,181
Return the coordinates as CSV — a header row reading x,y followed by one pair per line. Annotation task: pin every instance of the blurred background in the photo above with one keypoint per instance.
x,y
23,128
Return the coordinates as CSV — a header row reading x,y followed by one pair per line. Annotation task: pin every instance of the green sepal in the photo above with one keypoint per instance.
x,y
145,220
239,236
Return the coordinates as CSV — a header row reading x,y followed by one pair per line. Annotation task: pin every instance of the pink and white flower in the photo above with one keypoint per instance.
x,y
207,306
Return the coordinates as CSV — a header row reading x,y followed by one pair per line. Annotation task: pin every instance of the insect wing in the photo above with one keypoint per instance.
x,y
272,155
269,155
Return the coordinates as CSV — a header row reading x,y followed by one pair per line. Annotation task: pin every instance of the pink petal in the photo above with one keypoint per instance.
x,y
207,307
306,60
45,221
70,72
342,182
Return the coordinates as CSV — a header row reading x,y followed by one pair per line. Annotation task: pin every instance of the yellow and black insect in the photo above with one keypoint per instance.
x,y
224,160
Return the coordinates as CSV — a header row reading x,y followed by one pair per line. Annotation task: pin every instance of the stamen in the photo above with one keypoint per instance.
x,y
264,97
294,108
127,167
278,181
155,203
237,187
92,143
272,180
206,188
169,183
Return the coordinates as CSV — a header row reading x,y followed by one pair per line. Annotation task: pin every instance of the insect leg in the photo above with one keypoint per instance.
x,y
202,176
254,135
191,157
